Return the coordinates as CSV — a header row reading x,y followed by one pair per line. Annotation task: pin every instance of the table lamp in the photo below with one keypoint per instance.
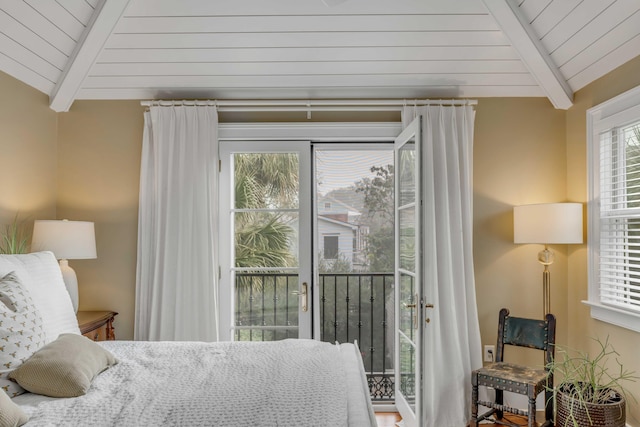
x,y
546,224
67,240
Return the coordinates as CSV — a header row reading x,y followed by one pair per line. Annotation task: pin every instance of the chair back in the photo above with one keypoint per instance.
x,y
531,333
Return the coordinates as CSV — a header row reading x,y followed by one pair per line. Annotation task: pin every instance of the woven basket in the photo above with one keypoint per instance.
x,y
570,413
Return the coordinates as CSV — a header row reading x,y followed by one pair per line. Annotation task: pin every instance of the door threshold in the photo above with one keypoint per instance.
x,y
384,407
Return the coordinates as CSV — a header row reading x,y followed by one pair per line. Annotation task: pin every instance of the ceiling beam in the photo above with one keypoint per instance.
x,y
103,21
535,57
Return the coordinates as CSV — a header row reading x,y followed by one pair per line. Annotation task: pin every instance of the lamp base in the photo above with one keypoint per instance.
x,y
546,291
546,258
71,282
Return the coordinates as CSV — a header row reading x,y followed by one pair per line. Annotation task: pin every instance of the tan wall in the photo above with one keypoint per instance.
x,y
581,326
28,135
525,152
519,158
99,170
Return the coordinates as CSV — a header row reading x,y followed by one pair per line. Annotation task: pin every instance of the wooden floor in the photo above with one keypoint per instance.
x,y
389,419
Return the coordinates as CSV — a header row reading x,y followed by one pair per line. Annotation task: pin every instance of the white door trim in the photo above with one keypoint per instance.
x,y
316,132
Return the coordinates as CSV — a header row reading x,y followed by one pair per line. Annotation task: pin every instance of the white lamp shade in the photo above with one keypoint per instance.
x,y
66,239
548,223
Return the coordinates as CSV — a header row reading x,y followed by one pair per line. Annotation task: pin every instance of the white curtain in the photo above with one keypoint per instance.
x,y
452,346
177,273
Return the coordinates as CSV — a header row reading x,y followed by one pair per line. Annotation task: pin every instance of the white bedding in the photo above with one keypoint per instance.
x,y
285,383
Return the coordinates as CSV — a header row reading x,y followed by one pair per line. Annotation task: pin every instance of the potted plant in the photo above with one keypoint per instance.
x,y
590,390
14,240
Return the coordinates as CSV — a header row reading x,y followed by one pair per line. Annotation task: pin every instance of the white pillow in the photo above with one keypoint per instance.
x,y
40,273
21,330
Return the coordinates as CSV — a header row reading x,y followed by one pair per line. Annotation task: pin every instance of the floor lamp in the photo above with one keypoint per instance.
x,y
547,224
67,240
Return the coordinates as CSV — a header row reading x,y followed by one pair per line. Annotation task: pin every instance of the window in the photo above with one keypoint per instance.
x,y
614,210
330,247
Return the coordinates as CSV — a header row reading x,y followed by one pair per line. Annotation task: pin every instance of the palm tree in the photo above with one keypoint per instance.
x,y
265,181
264,238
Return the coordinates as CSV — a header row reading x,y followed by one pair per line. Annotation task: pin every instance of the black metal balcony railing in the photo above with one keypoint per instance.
x,y
359,307
353,307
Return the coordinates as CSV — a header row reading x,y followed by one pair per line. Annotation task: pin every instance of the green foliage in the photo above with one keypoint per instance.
x,y
380,249
378,192
264,181
338,265
263,244
636,132
589,379
262,239
631,144
378,202
14,239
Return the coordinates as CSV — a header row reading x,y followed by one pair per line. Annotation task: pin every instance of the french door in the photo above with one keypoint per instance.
x,y
272,238
265,254
408,271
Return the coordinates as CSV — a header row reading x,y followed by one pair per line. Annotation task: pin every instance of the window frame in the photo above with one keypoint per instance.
x,y
615,113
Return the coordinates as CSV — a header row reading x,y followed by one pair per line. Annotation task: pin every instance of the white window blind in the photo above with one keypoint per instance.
x,y
620,216
614,210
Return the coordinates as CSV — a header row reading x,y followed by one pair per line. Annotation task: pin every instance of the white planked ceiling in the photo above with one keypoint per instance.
x,y
306,49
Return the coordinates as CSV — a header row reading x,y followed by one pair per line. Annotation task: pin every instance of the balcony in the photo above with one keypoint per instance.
x,y
353,307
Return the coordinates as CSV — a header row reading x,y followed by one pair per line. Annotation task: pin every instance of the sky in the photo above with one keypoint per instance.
x,y
341,168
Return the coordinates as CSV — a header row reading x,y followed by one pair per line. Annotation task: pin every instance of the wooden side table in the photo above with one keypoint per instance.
x,y
97,325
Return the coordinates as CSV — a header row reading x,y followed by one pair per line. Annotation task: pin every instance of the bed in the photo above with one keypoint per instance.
x,y
283,383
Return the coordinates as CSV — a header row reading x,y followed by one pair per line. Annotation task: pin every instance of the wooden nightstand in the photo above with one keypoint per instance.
x,y
97,325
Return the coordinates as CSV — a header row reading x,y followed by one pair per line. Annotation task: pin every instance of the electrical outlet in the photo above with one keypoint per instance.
x,y
489,353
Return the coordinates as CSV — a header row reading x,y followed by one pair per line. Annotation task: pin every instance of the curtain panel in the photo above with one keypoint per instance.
x,y
177,275
451,345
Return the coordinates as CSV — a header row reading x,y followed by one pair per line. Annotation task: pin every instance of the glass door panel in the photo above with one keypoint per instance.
x,y
407,239
266,239
408,276
354,239
408,373
265,189
408,312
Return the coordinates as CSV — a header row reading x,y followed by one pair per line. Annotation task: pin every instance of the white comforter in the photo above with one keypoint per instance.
x,y
287,383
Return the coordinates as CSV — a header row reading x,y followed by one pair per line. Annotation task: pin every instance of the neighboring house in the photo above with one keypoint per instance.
x,y
340,233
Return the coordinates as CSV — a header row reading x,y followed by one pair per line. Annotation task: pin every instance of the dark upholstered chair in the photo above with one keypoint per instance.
x,y
503,376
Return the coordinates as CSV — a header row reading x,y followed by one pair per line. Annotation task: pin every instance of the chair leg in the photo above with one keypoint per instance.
x,y
474,401
548,407
499,401
531,422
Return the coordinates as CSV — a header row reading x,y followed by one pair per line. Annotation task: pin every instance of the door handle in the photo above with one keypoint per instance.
x,y
426,318
304,294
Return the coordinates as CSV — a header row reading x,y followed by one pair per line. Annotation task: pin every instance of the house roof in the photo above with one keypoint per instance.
x,y
337,206
337,222
314,49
